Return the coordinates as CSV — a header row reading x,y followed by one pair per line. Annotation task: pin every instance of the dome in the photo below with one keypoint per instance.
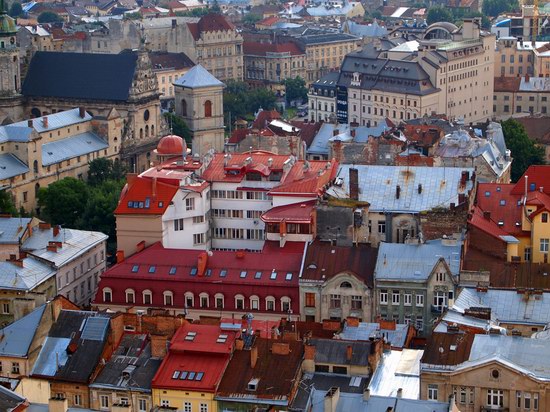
x,y
7,24
171,145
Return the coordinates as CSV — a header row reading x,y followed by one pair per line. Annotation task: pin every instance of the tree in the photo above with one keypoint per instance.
x,y
133,16
437,14
495,7
6,203
215,7
251,19
15,9
178,126
49,17
240,100
295,89
524,151
63,202
103,169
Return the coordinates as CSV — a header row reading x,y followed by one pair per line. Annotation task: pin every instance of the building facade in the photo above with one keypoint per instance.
x,y
521,96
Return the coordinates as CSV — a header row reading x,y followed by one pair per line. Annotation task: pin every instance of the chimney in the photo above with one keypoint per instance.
x,y
486,215
44,226
52,247
158,346
119,256
253,356
58,404
419,188
30,123
400,392
140,246
280,348
174,23
354,183
352,133
527,78
56,230
239,344
366,394
349,353
397,191
202,262
45,122
309,352
331,399
82,112
335,132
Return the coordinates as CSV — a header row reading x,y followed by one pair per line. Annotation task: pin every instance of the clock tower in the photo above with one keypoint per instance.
x,y
11,107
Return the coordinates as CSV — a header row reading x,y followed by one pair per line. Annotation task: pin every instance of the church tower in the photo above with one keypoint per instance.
x,y
199,101
11,108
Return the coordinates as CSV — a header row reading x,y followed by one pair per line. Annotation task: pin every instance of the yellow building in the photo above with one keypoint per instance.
x,y
168,67
193,368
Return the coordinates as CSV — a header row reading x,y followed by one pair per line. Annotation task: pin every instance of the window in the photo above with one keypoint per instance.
x,y
270,303
381,227
168,298
432,392
107,295
78,400
208,108
419,301
544,245
189,300
198,219
130,296
357,302
383,297
142,405
407,299
219,301
527,401
147,297
419,323
165,403
518,399
395,297
178,224
536,401
239,302
187,407
527,254
104,401
198,238
462,398
254,303
440,300
544,218
495,397
5,308
285,304
335,301
203,407
190,203
15,367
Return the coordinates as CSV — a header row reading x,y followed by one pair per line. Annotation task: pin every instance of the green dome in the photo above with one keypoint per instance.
x,y
7,25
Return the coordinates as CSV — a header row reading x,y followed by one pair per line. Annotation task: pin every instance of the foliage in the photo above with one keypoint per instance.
x,y
251,19
495,7
524,151
6,203
49,17
15,9
133,16
437,14
192,13
240,100
215,8
103,169
178,126
295,89
63,202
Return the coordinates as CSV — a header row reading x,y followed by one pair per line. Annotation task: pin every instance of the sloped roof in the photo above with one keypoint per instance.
x,y
89,76
451,348
78,145
198,77
137,198
11,166
164,60
12,229
398,369
54,121
261,49
538,175
292,213
18,336
334,351
25,278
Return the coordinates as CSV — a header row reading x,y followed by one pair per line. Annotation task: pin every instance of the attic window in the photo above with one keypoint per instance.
x,y
190,336
487,194
222,339
191,376
258,275
273,275
135,268
152,269
288,276
173,270
176,375
223,273
498,188
161,204
452,348
253,384
183,375
208,272
199,376
243,274
193,271
503,202
532,187
147,203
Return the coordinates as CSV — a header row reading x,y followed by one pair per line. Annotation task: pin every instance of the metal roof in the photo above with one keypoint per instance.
x,y
398,369
74,244
365,330
55,121
335,352
12,228
440,186
15,133
53,354
71,147
11,166
95,329
198,77
415,262
17,337
32,274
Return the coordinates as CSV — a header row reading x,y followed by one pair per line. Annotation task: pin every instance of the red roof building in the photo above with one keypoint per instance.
x,y
198,283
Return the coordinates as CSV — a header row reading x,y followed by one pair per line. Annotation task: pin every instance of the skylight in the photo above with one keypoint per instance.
x,y
273,275
176,375
191,376
223,273
152,269
183,375
199,376
258,275
135,268
173,270
193,271
243,274
288,276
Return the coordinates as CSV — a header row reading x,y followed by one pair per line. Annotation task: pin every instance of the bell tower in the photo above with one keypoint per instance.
x,y
199,101
11,108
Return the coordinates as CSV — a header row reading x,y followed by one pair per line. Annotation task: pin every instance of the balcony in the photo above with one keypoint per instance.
x,y
438,310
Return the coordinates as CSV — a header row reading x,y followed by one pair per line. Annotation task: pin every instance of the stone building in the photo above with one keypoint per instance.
x,y
520,96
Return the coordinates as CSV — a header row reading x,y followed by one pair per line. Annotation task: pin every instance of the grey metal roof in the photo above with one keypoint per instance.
x,y
95,329
74,244
335,352
328,80
507,306
527,355
11,166
415,262
377,186
71,147
366,330
55,120
10,400
13,133
53,354
366,30
196,78
26,278
12,228
17,337
398,369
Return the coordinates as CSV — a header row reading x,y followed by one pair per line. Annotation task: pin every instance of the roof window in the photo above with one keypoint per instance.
x,y
191,376
193,271
173,270
243,273
288,276
208,272
273,275
176,375
223,273
502,202
190,337
487,194
199,376
222,339
135,268
161,204
152,269
183,375
258,275
147,203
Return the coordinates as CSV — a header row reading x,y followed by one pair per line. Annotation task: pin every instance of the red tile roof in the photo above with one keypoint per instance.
x,y
294,213
503,207
260,49
264,117
238,136
507,84
537,128
145,196
308,130
202,355
310,180
216,171
211,22
538,175
268,21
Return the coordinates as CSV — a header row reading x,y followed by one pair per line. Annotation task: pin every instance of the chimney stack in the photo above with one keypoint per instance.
x,y
56,230
45,122
253,356
366,394
119,256
354,183
82,112
349,353
397,191
30,123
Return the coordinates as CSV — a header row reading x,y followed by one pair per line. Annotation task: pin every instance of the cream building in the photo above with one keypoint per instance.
x,y
542,61
168,67
515,57
521,96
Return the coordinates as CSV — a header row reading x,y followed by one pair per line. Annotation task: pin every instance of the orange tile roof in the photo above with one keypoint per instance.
x,y
307,182
143,196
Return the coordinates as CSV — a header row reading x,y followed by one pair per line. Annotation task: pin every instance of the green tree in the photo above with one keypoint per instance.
x,y
178,126
438,13
524,151
103,169
495,7
251,19
295,89
63,202
15,9
240,100
133,16
193,13
215,8
49,17
6,203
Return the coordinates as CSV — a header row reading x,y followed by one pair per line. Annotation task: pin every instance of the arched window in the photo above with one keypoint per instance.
x,y
208,108
345,285
183,107
204,300
254,302
147,297
270,303
285,304
35,166
168,298
141,133
107,295
152,130
130,296
146,131
239,302
219,300
36,189
35,112
189,300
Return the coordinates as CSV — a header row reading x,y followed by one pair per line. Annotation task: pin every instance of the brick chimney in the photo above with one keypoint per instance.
x,y
354,183
119,256
56,230
158,346
82,112
253,356
45,122
280,348
52,247
30,123
349,353
309,352
140,246
58,404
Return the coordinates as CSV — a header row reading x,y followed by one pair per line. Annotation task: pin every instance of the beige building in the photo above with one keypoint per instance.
x,y
542,61
486,372
521,96
515,58
37,152
168,67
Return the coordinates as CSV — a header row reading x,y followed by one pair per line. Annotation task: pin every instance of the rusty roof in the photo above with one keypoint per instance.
x,y
448,348
507,84
537,128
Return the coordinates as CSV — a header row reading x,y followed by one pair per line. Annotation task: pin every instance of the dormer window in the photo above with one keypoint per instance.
x,y
253,176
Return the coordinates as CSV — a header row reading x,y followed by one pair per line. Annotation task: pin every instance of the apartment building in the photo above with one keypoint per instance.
x,y
515,58
168,67
322,98
519,96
